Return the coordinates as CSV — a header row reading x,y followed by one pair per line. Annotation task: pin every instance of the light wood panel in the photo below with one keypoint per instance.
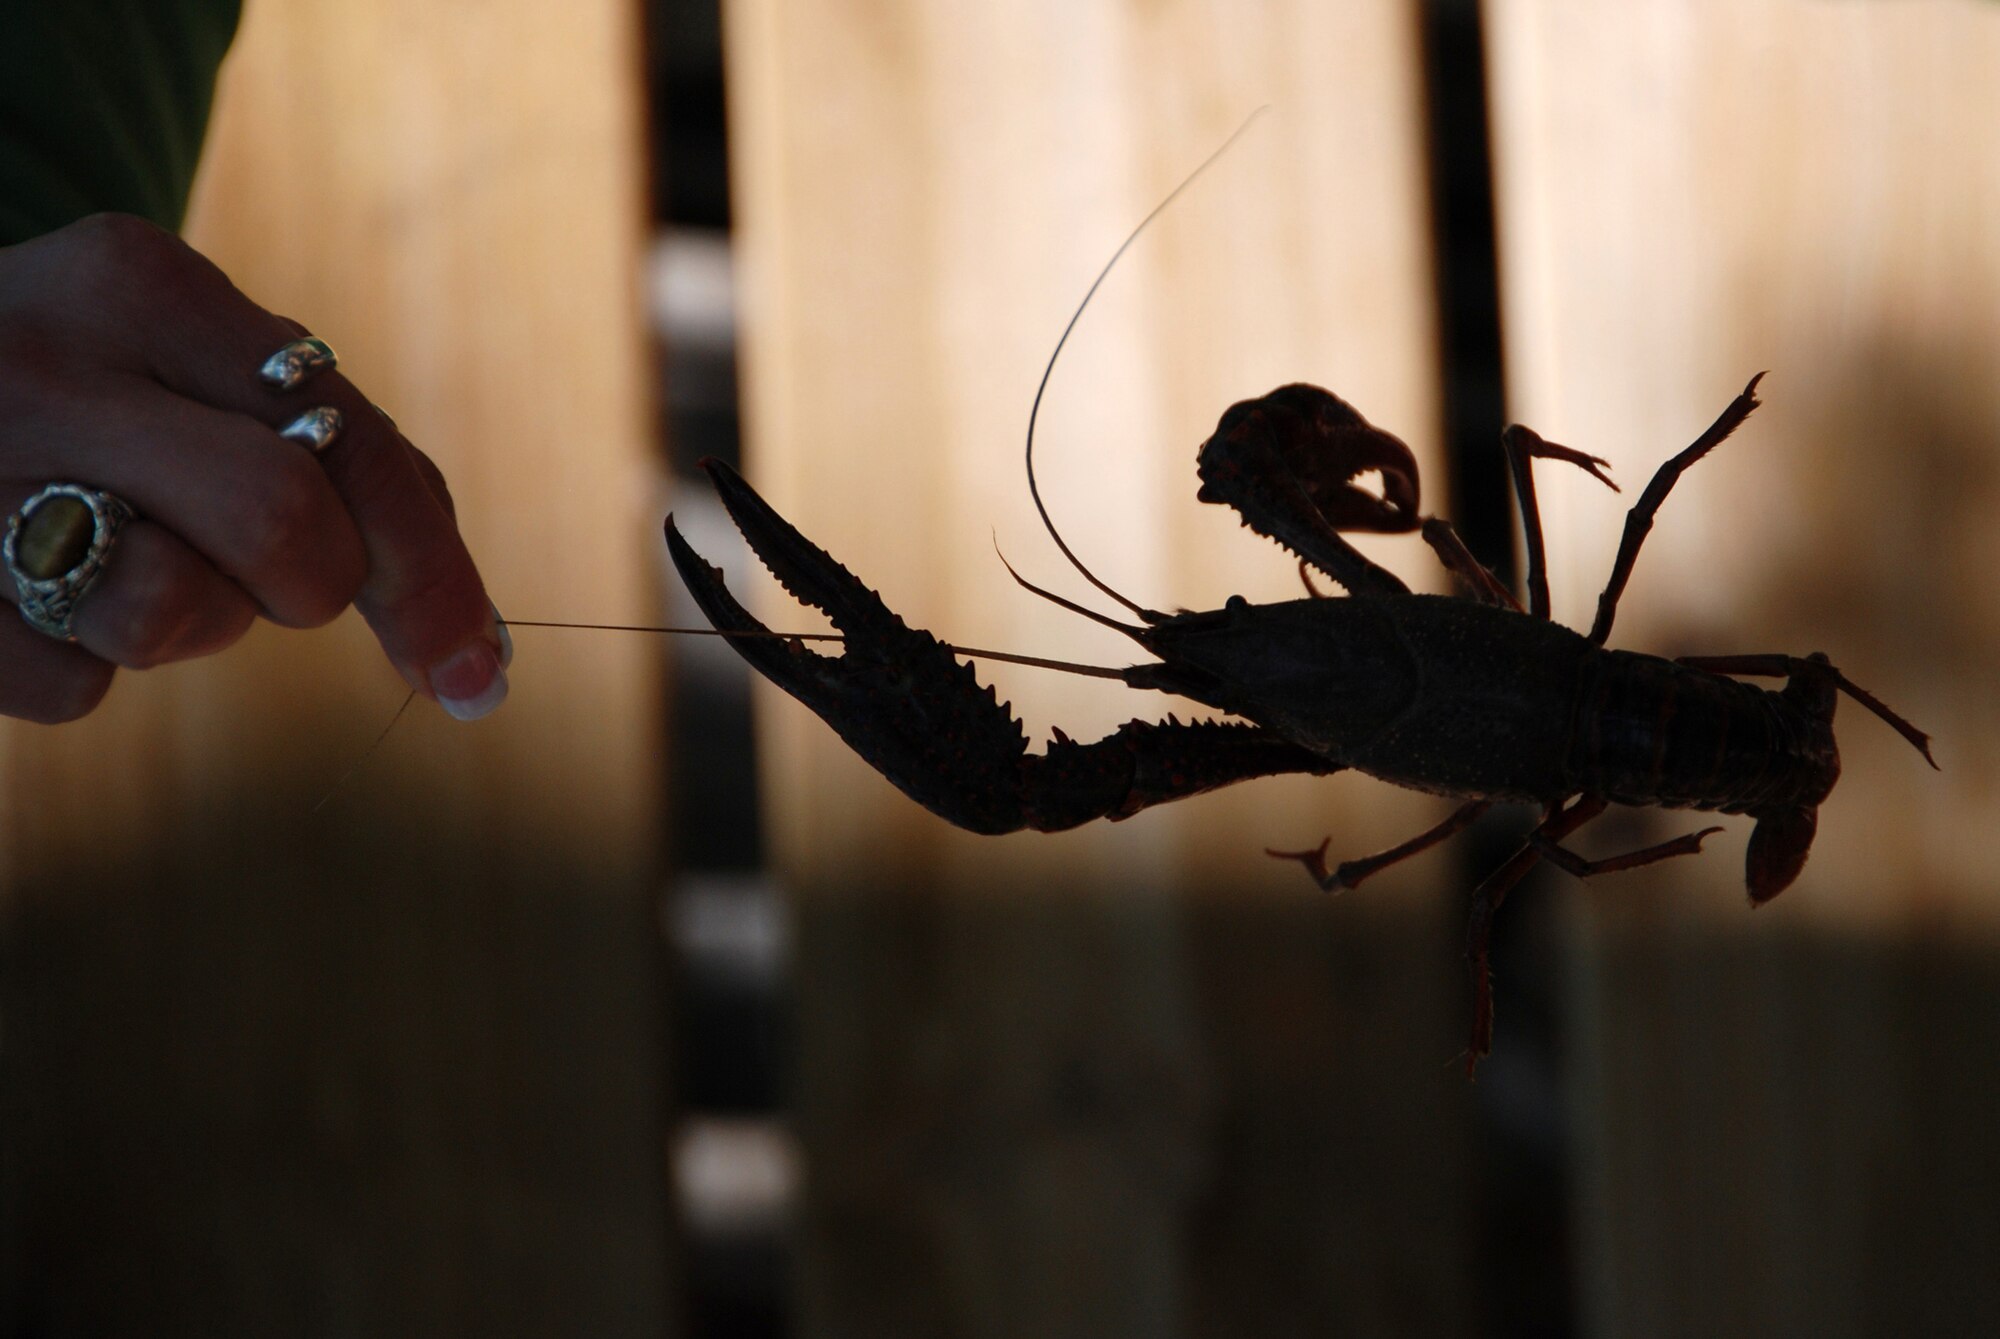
x,y
1689,193
924,202
1019,1055
393,1066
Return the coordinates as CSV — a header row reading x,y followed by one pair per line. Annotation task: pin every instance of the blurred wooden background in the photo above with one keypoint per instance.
x,y
393,1066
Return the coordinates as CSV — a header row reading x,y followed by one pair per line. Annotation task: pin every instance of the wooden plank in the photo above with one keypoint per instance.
x,y
392,1067
1688,193
1011,1049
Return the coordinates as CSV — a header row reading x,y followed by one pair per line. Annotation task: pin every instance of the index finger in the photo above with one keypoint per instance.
x,y
422,596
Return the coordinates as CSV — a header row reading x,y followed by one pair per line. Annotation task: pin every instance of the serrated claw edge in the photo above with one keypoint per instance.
x,y
807,572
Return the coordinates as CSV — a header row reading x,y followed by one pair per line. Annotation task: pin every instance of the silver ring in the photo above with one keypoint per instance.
x,y
52,559
315,430
297,361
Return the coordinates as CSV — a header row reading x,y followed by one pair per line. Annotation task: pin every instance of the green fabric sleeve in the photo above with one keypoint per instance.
x,y
103,104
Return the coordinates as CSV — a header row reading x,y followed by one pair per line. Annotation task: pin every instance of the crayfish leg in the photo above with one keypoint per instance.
x,y
1350,873
1557,822
1522,445
1639,521
1460,562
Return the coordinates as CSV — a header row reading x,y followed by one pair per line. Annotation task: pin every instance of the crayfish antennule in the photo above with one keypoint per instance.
x,y
1136,634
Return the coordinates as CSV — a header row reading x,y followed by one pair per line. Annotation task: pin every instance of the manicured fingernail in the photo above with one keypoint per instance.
x,y
315,429
297,361
506,637
470,684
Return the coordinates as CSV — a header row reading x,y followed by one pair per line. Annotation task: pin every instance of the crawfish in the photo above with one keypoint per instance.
x,y
1470,696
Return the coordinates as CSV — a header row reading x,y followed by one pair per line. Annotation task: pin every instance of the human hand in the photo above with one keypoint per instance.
x,y
130,364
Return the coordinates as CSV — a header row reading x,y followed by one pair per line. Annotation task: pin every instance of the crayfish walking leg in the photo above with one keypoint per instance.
x,y
1341,443
1542,844
1639,521
1350,873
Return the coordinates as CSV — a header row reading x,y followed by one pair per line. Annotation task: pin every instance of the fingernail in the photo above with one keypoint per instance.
x,y
470,684
506,637
315,429
300,359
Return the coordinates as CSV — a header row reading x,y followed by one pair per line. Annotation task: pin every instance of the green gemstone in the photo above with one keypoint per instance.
x,y
54,537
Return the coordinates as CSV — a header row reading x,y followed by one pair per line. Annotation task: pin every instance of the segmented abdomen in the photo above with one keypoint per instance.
x,y
1648,731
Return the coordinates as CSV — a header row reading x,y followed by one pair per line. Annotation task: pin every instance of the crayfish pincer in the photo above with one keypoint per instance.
x,y
1471,696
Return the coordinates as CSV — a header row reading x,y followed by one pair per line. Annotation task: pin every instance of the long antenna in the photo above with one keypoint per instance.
x,y
970,652
1033,410
684,632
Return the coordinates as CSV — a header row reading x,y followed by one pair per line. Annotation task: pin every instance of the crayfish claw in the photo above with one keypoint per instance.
x,y
806,571
915,712
895,694
1287,463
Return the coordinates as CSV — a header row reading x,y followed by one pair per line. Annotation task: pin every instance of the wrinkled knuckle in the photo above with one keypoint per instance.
x,y
123,252
370,479
284,531
37,384
320,602
278,527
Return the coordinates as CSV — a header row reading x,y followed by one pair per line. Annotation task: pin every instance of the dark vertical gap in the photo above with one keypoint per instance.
x,y
1467,281
691,168
727,1011
1523,1260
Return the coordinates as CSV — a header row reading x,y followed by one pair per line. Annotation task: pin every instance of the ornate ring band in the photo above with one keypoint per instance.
x,y
297,362
315,430
56,548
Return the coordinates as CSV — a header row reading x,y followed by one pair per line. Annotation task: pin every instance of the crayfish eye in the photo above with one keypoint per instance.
x,y
1236,604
